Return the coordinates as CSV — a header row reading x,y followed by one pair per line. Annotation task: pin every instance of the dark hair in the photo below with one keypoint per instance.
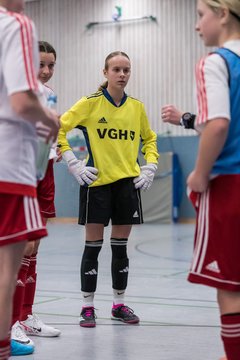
x,y
110,56
45,47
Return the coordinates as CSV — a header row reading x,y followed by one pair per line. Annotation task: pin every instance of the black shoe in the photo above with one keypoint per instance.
x,y
125,314
87,317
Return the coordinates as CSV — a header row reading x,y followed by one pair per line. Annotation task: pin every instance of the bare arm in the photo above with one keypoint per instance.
x,y
27,105
211,144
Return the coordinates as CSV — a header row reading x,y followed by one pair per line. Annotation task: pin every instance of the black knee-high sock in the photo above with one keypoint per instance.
x,y
120,263
89,265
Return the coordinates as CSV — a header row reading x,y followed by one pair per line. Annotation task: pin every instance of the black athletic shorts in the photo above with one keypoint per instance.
x,y
119,201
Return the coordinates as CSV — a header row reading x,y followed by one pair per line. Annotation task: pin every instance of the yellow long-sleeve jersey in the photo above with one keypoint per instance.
x,y
112,135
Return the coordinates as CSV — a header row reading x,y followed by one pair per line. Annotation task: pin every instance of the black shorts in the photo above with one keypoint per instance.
x,y
119,201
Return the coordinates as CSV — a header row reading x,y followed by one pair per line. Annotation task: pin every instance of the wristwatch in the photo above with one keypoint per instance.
x,y
187,120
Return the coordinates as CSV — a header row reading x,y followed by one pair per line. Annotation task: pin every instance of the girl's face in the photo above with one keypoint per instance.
x,y
47,63
209,24
118,72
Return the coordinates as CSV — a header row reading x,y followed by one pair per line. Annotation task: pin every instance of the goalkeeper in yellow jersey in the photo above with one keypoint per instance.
x,y
114,125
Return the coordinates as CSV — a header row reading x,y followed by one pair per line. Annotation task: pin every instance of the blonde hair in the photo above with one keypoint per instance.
x,y
110,56
232,5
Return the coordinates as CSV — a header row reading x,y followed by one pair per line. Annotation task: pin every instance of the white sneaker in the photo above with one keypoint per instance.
x,y
18,334
34,326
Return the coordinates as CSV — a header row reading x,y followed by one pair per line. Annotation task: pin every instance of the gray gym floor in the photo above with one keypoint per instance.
x,y
179,320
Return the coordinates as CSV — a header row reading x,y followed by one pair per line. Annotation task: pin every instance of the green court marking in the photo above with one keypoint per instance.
x,y
52,299
132,302
139,300
128,296
114,323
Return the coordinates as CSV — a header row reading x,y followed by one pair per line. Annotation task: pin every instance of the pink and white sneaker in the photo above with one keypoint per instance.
x,y
35,327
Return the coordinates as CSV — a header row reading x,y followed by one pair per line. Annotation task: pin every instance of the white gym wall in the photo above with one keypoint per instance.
x,y
163,54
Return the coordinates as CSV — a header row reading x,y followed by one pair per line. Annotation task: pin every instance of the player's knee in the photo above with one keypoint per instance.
x,y
7,284
29,248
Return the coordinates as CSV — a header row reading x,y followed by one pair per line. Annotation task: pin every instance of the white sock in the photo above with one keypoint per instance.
x,y
118,297
88,299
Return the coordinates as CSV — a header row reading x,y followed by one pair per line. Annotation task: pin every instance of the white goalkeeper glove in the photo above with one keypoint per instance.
x,y
145,179
82,173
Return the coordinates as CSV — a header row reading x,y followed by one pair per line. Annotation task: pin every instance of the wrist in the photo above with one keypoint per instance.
x,y
180,119
201,173
153,166
187,120
69,156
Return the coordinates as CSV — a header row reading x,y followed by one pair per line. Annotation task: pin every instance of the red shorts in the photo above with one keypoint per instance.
x,y
46,192
216,258
20,219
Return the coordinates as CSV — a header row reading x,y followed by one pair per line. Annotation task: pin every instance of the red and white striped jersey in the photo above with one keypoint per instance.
x,y
19,65
212,86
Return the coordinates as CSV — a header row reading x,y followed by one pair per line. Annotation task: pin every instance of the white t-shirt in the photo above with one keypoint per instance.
x,y
212,86
19,65
47,91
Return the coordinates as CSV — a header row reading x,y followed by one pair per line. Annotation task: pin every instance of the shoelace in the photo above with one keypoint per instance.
x,y
126,309
89,312
20,333
36,321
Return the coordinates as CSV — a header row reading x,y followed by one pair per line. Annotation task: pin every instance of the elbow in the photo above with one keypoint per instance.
x,y
21,108
24,103
221,127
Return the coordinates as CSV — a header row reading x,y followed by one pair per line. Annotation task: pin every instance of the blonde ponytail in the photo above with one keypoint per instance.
x,y
103,86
